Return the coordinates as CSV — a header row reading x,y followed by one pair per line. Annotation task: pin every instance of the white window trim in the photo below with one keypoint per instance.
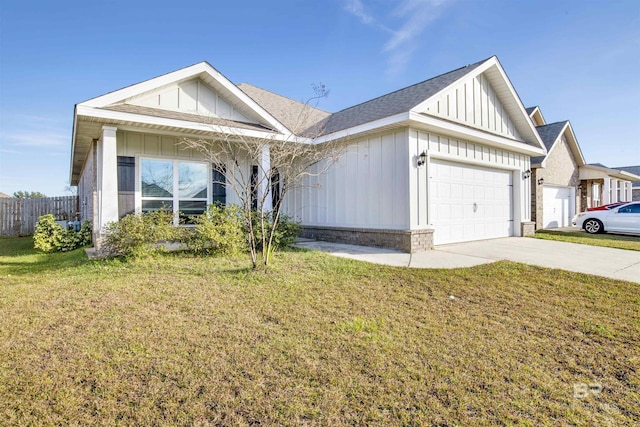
x,y
176,179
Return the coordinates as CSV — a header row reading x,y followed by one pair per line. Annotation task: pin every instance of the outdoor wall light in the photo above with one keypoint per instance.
x,y
422,158
541,181
526,174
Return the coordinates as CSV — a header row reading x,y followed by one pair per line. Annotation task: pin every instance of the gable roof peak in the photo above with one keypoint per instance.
x,y
396,102
470,67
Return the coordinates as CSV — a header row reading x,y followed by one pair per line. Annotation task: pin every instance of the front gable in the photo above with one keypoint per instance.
x,y
474,102
198,90
196,97
563,140
484,99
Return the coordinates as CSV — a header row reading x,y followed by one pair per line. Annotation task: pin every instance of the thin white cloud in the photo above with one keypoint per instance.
x,y
414,18
34,139
357,8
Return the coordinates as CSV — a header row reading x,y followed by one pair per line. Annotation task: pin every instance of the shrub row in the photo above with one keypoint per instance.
x,y
220,230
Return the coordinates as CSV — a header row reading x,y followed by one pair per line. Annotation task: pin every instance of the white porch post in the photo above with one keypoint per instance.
x,y
107,177
607,193
264,178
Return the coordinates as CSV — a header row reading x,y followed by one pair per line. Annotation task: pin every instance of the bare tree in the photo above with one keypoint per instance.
x,y
254,166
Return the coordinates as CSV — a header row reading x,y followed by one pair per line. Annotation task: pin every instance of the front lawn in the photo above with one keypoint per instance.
x,y
317,340
608,240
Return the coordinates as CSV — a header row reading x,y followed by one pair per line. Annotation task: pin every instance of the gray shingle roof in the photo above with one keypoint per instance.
x,y
156,112
392,103
530,109
631,169
599,165
549,135
295,116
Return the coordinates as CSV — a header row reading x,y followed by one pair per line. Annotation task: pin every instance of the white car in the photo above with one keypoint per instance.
x,y
622,219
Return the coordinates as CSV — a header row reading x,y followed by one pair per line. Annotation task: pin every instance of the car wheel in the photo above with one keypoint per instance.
x,y
593,226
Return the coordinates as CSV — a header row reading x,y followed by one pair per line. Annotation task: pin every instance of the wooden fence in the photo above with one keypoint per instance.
x,y
18,217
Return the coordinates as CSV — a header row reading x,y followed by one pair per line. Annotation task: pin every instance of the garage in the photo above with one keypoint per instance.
x,y
557,206
470,202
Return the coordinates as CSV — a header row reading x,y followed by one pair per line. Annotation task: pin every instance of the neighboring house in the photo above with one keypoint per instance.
x,y
601,185
555,177
3,195
635,185
442,161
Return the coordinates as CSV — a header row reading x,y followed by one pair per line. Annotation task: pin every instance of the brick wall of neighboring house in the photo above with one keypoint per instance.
x,y
87,189
561,170
635,194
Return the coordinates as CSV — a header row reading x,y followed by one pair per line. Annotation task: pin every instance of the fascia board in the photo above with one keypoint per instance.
x,y
474,135
73,143
516,98
574,142
366,127
119,116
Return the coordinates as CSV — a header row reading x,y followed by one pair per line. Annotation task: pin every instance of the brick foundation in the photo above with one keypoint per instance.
x,y
409,241
527,228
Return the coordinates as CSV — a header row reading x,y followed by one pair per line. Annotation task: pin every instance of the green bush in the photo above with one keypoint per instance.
x,y
49,236
286,232
218,231
139,234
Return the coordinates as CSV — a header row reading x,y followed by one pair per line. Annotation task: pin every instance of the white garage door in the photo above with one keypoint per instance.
x,y
470,202
557,206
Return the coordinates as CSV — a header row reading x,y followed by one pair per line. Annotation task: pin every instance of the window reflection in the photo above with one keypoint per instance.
x,y
192,180
157,178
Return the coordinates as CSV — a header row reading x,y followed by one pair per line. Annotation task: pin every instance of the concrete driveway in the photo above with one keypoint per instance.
x,y
608,262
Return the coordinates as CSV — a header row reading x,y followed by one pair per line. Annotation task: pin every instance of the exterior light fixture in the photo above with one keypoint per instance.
x,y
422,158
541,181
526,174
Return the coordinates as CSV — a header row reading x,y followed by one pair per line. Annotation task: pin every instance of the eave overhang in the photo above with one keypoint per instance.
x,y
436,125
613,173
88,122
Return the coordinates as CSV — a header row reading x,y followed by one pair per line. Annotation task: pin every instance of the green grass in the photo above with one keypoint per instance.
x,y
316,340
607,240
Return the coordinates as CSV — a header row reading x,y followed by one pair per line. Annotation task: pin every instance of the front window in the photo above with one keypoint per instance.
x,y
178,186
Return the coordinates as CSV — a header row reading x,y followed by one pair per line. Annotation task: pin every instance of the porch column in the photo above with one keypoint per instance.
x,y
264,188
607,185
107,177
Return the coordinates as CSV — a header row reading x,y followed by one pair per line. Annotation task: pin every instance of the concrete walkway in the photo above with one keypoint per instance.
x,y
608,262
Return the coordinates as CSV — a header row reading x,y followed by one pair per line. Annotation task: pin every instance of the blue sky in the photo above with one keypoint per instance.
x,y
577,60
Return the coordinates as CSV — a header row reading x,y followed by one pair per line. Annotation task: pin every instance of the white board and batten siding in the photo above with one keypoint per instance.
x,y
192,96
366,188
467,162
475,103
